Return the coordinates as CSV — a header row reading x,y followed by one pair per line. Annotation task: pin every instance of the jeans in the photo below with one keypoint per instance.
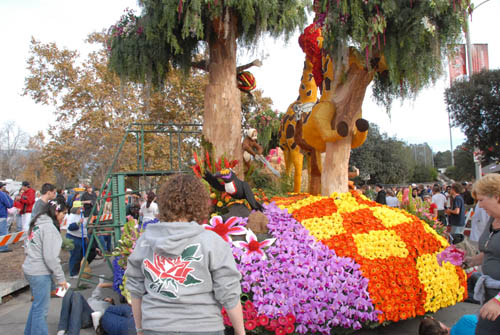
x,y
105,242
19,223
4,230
37,317
75,313
76,255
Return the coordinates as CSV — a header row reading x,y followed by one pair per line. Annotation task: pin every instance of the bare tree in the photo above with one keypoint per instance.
x,y
13,141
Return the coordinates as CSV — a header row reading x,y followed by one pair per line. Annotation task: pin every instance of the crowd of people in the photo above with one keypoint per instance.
x,y
214,281
448,204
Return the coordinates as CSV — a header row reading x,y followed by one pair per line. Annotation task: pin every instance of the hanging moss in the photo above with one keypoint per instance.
x,y
170,32
413,35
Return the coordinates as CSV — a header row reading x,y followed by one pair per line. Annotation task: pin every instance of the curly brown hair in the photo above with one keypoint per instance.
x,y
183,196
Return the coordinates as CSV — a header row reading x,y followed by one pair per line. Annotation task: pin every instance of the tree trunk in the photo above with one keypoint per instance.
x,y
334,177
222,117
347,96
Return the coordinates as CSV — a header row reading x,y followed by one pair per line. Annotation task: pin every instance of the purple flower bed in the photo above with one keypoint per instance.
x,y
305,278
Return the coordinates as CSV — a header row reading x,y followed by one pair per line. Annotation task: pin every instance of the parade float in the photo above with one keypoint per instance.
x,y
332,261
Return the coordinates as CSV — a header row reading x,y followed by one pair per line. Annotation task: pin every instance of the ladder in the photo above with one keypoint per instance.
x,y
182,139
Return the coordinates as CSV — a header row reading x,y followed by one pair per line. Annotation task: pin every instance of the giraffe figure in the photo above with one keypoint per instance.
x,y
322,126
298,110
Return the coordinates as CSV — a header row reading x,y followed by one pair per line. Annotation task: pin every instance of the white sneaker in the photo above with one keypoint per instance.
x,y
72,277
61,332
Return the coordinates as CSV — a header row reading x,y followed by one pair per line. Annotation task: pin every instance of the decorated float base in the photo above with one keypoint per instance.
x,y
341,263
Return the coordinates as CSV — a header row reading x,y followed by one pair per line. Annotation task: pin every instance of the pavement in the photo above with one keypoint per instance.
x,y
14,312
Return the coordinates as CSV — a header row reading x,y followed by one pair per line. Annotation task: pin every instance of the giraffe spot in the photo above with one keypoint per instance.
x,y
285,120
306,117
301,78
279,133
311,76
290,131
294,145
309,93
328,83
342,129
303,86
298,98
362,125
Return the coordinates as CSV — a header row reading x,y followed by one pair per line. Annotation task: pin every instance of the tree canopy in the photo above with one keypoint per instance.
x,y
406,39
474,106
172,32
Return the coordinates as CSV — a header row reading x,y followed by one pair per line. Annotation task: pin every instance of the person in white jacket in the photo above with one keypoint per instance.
x,y
42,263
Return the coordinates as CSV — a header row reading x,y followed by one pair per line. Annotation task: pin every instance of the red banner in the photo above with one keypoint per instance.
x,y
457,63
480,59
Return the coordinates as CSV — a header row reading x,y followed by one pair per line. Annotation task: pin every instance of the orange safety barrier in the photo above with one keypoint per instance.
x,y
104,217
12,238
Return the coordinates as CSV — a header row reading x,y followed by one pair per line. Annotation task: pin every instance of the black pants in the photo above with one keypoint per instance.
x,y
487,327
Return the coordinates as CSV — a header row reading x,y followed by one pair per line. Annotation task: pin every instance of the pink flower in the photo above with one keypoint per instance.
x,y
218,226
253,245
451,254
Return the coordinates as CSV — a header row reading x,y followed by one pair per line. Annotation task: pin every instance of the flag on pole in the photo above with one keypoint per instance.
x,y
457,63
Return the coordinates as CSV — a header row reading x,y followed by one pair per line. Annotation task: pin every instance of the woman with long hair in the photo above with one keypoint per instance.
x,y
149,209
42,263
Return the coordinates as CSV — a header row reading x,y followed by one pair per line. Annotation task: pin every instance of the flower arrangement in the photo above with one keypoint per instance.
x,y
298,285
396,252
127,24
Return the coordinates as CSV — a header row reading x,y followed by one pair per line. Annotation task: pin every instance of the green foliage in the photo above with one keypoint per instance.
x,y
412,36
464,168
267,123
387,160
170,32
474,107
422,174
269,184
442,159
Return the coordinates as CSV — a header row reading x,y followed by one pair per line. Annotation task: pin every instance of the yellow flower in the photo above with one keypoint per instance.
x,y
325,227
219,203
441,283
390,216
380,244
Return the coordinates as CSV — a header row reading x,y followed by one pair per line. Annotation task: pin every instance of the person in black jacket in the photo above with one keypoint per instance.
x,y
380,194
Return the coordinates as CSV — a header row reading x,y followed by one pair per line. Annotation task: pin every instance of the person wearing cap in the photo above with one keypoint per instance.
x,y
75,229
6,202
27,200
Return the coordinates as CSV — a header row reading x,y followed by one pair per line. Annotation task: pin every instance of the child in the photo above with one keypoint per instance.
x,y
76,232
179,274
465,326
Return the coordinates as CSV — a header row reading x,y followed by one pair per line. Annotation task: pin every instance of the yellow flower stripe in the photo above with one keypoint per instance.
x,y
380,244
346,203
444,242
441,283
325,227
390,216
301,203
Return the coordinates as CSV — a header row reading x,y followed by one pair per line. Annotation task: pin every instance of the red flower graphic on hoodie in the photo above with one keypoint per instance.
x,y
166,273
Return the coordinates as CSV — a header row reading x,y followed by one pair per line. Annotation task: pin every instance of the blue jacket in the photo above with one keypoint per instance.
x,y
5,203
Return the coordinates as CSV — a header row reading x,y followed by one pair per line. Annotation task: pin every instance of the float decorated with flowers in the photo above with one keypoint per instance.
x,y
340,263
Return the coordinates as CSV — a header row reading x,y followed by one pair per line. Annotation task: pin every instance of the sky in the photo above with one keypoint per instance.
x,y
68,22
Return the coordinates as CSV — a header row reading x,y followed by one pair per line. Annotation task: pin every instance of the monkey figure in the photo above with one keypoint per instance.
x,y
250,147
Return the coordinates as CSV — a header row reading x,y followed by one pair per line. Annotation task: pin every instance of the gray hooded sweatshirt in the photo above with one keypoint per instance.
x,y
184,275
42,250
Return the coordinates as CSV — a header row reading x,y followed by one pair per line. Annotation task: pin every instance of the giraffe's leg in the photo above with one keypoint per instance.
x,y
288,161
297,158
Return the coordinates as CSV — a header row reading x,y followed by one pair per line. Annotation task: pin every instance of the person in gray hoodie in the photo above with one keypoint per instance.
x,y
41,263
180,275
